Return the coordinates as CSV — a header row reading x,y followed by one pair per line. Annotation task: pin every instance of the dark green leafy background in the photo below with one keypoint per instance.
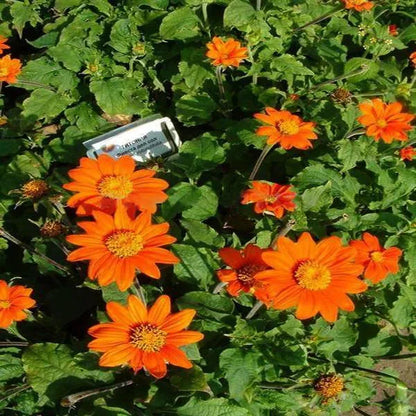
x,y
86,63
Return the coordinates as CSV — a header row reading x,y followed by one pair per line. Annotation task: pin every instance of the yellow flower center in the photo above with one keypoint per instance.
x,y
381,123
34,189
4,72
4,304
329,385
376,256
289,127
115,186
147,337
312,275
270,199
245,274
124,243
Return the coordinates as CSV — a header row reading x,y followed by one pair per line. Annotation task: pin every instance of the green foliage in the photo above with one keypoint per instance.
x,y
87,64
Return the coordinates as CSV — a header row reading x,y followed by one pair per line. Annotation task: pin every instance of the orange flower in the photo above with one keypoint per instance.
x,y
3,45
244,266
117,246
13,301
385,121
144,338
407,153
315,277
101,183
286,128
9,69
272,198
412,58
359,5
393,30
228,53
377,261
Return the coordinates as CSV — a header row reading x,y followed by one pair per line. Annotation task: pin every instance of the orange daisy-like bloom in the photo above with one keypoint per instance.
x,y
244,266
359,5
3,45
393,30
9,69
286,129
101,183
412,58
385,121
315,277
144,338
13,301
228,53
378,262
272,198
117,245
407,153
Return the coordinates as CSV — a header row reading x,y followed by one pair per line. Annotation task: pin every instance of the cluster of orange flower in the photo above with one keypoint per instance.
x,y
9,68
117,243
313,277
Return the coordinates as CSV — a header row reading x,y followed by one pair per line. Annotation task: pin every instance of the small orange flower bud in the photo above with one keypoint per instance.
x,y
34,189
329,385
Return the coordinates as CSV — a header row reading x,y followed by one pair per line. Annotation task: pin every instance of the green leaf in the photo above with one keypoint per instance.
x,y
54,372
10,367
193,69
44,103
197,266
316,198
112,293
205,207
199,155
364,69
124,36
211,407
200,234
344,187
349,153
120,96
189,380
238,14
193,110
207,305
286,65
86,119
48,72
23,13
182,196
181,24
241,370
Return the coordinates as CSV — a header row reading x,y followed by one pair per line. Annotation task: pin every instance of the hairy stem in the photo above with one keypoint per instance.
x,y
139,291
288,226
363,68
258,5
254,309
320,18
260,160
14,240
218,73
35,84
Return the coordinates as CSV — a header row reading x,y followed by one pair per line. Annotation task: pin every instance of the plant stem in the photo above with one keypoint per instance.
x,y
250,55
254,309
139,291
205,12
260,160
219,287
35,84
258,5
7,236
319,19
355,133
14,391
288,226
363,68
72,399
218,73
13,344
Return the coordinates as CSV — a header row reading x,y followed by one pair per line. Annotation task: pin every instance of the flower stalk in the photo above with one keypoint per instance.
x,y
254,309
320,18
218,73
259,162
288,226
